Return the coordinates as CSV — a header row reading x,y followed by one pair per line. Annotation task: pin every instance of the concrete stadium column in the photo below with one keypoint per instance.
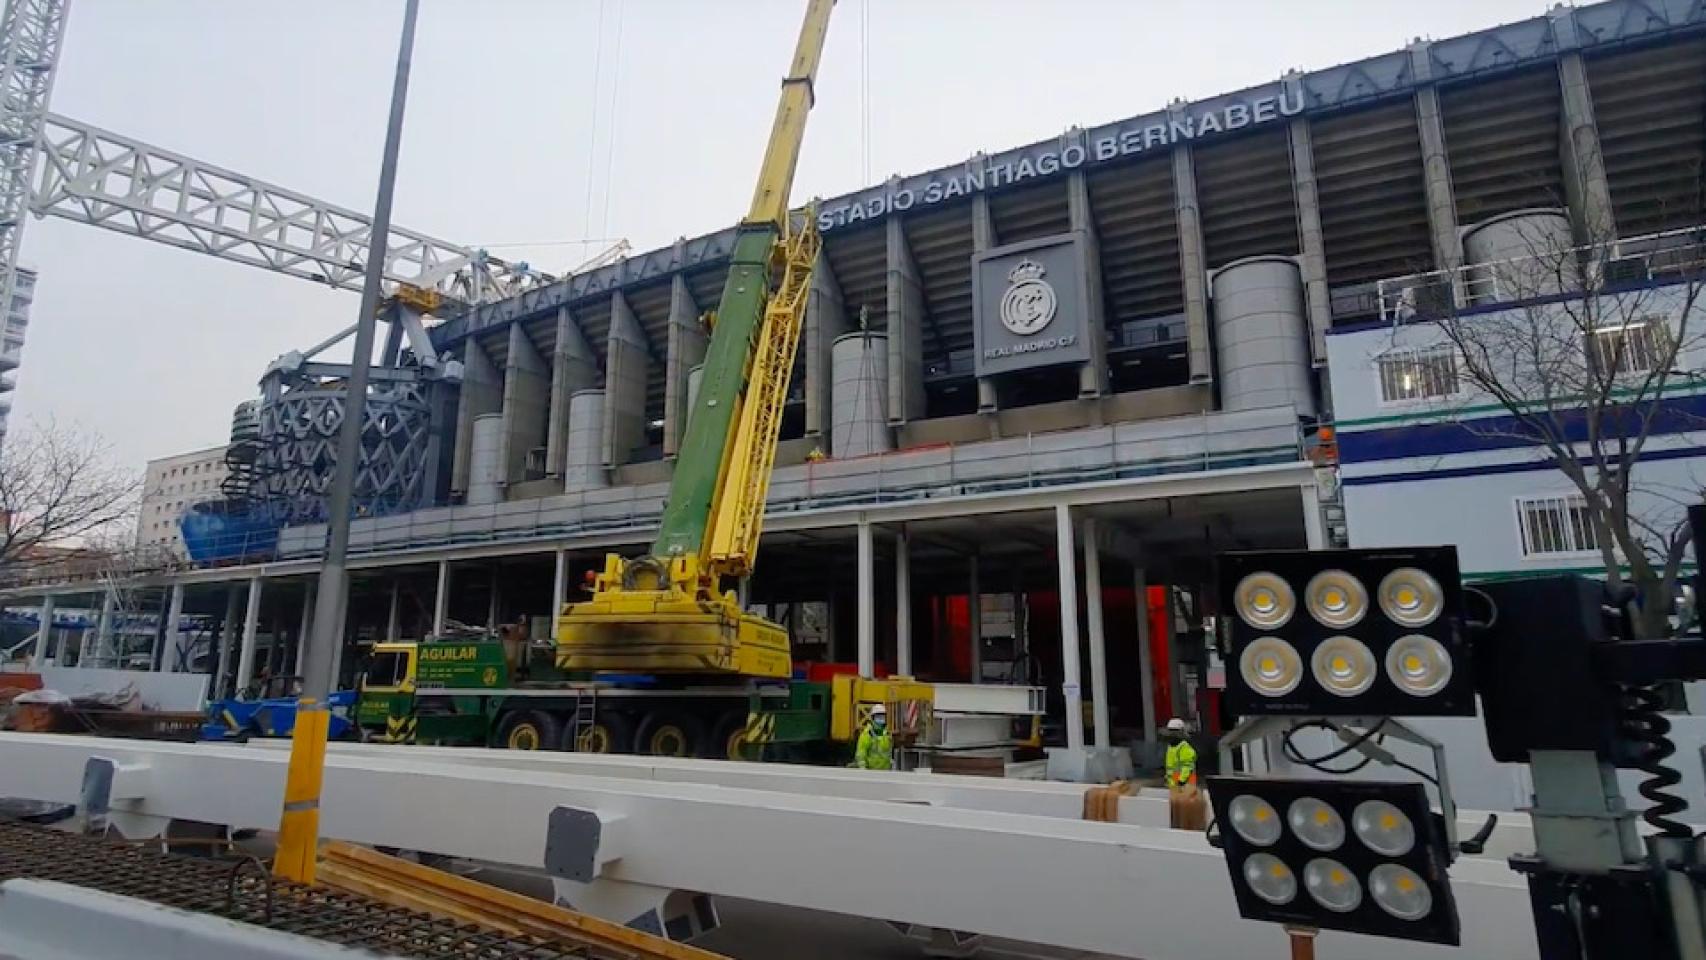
x,y
1098,637
526,403
1314,525
983,238
1070,686
304,628
494,598
227,636
867,608
1193,263
1092,376
559,587
1585,186
341,638
1436,168
1314,251
1145,665
687,343
174,638
826,319
574,367
974,615
902,603
44,633
906,319
251,636
482,393
624,383
441,599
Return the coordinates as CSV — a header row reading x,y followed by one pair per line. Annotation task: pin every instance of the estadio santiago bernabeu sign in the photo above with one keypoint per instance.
x,y
1030,305
1078,149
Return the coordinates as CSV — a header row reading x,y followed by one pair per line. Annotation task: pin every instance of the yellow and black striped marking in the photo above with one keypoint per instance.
x,y
760,728
400,729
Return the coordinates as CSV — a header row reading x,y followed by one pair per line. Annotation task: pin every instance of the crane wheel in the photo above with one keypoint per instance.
x,y
612,733
728,740
528,730
669,734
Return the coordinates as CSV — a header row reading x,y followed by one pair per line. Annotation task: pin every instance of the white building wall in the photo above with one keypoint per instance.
x,y
1469,499
172,485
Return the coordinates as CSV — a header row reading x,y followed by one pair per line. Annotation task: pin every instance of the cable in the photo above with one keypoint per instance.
x,y
610,138
592,141
1296,756
865,89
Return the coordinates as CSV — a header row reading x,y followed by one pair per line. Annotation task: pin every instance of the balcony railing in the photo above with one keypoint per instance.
x,y
1177,445
1591,267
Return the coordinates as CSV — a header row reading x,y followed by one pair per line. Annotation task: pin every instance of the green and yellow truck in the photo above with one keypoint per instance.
x,y
474,692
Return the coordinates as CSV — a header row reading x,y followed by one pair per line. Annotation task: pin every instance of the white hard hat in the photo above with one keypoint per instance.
x,y
1176,725
879,711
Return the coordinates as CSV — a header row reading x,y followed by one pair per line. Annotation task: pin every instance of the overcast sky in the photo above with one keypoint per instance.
x,y
528,124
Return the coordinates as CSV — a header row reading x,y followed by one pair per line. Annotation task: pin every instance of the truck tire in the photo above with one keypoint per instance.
x,y
728,739
528,730
670,733
612,732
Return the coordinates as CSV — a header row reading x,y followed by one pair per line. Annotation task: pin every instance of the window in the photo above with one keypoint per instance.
x,y
1637,347
1407,375
1555,526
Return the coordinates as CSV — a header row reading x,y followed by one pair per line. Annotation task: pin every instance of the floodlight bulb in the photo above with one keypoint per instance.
x,y
1411,597
1400,891
1343,666
1419,665
1270,879
1383,828
1336,599
1264,600
1270,666
1332,885
1318,825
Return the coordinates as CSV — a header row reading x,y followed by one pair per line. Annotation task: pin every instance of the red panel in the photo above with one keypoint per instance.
x,y
1160,627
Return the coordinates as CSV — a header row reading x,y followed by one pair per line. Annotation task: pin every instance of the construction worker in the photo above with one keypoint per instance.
x,y
1181,757
875,749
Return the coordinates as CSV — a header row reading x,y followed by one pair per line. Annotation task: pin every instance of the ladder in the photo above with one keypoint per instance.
x,y
586,714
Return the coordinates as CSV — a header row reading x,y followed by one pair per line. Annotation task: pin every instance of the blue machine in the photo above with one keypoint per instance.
x,y
234,719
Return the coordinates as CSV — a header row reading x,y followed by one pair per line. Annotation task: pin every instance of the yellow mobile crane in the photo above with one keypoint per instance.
x,y
662,659
667,611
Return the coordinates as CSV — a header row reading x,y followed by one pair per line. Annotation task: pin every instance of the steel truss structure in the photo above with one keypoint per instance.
x,y
105,179
636,839
31,32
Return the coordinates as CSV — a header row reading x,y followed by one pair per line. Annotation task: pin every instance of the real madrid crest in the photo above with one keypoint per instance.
x,y
1029,303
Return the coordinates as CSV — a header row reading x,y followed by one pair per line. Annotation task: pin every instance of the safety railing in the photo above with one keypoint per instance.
x,y
1543,273
1190,444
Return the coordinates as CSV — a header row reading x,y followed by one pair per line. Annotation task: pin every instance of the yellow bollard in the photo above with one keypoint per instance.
x,y
299,823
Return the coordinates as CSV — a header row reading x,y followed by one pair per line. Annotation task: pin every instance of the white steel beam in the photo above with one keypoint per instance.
x,y
1114,888
106,179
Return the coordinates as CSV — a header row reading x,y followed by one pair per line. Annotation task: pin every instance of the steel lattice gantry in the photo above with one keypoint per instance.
x,y
105,179
31,32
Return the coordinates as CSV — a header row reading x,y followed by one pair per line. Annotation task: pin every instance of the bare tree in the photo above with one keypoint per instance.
x,y
1584,368
59,489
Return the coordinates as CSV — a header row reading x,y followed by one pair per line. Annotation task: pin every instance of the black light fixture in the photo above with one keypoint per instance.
x,y
1364,856
1345,633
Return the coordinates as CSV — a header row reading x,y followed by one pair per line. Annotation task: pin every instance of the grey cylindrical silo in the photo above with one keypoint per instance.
x,y
1261,335
1518,254
859,385
485,466
583,452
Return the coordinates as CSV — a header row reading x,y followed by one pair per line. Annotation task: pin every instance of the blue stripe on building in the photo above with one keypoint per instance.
x,y
1667,415
1491,469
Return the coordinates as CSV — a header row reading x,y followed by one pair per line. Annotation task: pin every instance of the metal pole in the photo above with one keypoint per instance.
x,y
974,617
391,625
44,634
251,637
334,575
299,822
902,604
1098,637
559,588
1070,684
441,599
867,651
1145,665
174,613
